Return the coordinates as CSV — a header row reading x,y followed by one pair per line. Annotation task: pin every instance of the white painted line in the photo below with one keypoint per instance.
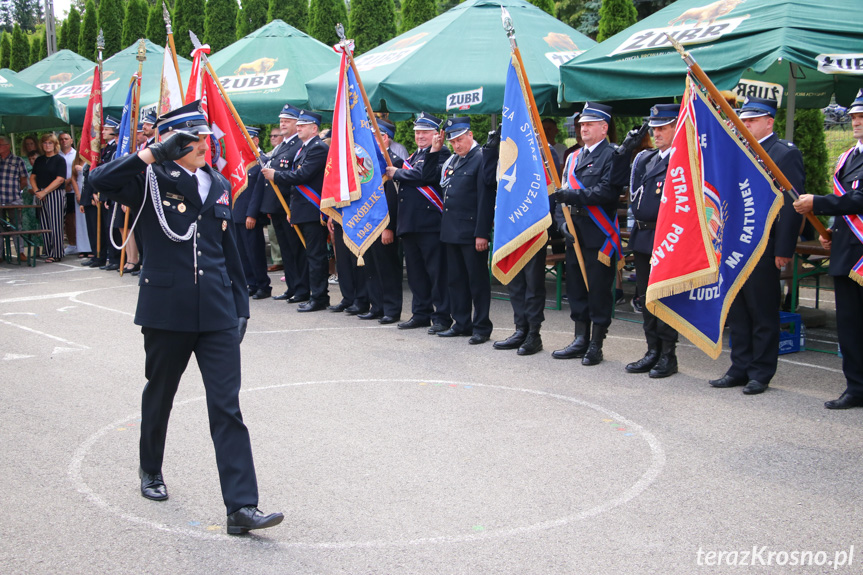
x,y
43,334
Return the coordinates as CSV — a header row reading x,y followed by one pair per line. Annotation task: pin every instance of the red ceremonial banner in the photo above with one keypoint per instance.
x,y
233,152
90,147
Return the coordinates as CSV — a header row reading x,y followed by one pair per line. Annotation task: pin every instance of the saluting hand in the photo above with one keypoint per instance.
x,y
437,141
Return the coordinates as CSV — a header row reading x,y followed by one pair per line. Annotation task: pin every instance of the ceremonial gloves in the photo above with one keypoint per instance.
x,y
493,141
174,147
565,196
564,231
633,139
241,326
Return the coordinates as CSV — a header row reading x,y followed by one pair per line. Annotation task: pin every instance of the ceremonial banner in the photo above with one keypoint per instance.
x,y
364,219
521,215
341,180
195,90
91,134
170,92
125,142
718,206
230,148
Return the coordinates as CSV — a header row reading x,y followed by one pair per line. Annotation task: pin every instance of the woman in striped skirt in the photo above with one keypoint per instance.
x,y
48,179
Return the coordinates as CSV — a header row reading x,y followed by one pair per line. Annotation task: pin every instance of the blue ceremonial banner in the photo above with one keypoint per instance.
x,y
125,143
521,215
364,219
737,202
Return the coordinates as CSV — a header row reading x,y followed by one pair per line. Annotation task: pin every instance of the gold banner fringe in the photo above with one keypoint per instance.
x,y
514,244
856,277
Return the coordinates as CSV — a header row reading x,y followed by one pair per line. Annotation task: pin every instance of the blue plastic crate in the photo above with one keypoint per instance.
x,y
792,336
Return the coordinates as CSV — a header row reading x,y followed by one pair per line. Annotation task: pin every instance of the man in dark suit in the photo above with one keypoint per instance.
x,y
192,300
291,247
468,214
846,257
306,175
588,183
645,195
383,267
250,225
420,205
753,318
91,210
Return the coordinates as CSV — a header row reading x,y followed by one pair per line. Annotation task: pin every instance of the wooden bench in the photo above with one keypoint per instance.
x,y
810,260
23,234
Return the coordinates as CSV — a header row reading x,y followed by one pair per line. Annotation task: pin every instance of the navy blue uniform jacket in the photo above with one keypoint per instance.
x,y
170,298
786,228
416,213
307,168
846,249
281,160
645,191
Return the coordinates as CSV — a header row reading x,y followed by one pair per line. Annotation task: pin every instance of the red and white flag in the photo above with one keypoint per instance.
x,y
230,148
341,180
91,134
195,90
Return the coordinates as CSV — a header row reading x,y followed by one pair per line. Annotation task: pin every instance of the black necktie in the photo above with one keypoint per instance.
x,y
582,157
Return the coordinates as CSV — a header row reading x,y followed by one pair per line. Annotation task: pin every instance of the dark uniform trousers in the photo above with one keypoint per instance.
x,y
646,183
187,305
293,256
253,247
467,270
594,305
317,264
527,294
425,259
384,278
846,250
753,318
352,280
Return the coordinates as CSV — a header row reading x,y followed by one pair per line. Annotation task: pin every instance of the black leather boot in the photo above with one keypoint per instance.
x,y
593,356
644,364
667,364
532,343
578,347
513,341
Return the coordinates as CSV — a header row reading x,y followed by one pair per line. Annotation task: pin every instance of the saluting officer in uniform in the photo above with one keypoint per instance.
x,y
250,230
468,214
383,267
754,315
846,245
420,204
306,175
645,195
588,182
291,247
192,300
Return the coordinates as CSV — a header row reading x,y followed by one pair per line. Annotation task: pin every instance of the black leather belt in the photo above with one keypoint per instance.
x,y
642,225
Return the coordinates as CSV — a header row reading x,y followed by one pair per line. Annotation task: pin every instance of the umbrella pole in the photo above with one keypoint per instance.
x,y
791,105
777,174
242,126
544,148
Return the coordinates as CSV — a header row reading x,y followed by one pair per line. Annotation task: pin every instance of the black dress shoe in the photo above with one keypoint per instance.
x,y
532,344
845,401
252,291
339,307
727,381
152,485
451,333
754,387
371,315
262,294
512,342
97,264
665,367
250,517
593,355
645,364
298,299
282,297
437,328
477,339
388,319
413,323
311,306
87,262
356,310
577,348
110,267
137,272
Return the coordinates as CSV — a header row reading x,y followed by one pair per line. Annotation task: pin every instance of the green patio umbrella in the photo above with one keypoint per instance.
x,y
117,71
456,63
26,108
269,68
804,50
52,72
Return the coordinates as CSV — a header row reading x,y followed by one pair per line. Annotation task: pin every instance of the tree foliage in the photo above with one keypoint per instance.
x,y
89,31
220,23
545,5
323,17
111,15
26,13
62,37
135,22
5,49
372,22
809,137
293,12
35,43
416,12
20,56
614,16
155,31
251,16
72,29
188,15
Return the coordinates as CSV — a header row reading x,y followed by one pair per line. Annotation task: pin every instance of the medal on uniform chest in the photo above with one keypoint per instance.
x,y
166,202
224,225
659,187
855,184
175,174
181,208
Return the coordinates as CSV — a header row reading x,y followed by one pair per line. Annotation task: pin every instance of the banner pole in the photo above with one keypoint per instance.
x,y
166,16
242,127
741,128
100,45
544,148
133,128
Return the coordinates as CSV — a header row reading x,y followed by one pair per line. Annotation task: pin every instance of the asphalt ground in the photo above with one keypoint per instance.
x,y
393,451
